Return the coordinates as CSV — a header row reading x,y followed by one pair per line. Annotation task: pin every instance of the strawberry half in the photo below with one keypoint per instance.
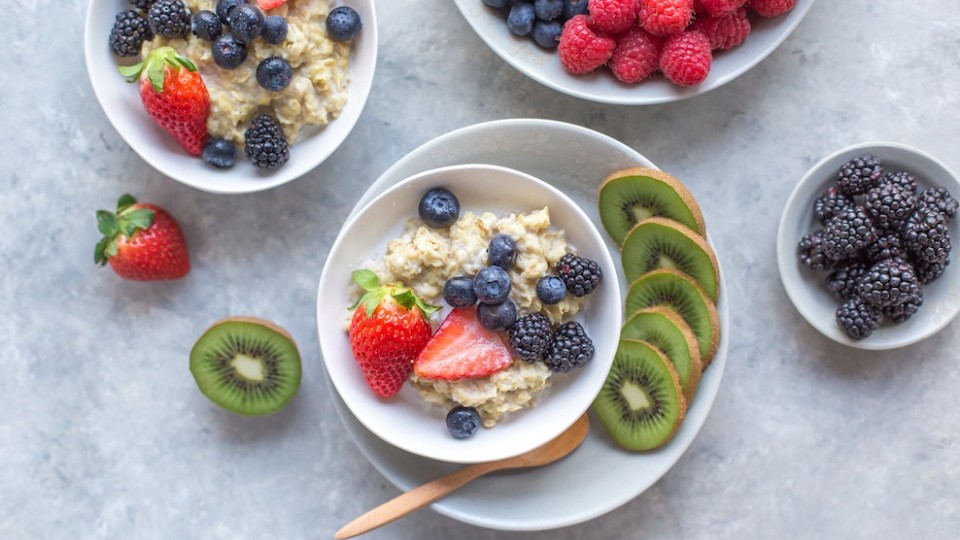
x,y
387,332
142,242
462,349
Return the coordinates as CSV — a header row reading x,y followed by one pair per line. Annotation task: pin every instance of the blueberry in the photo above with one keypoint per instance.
x,y
274,73
520,20
547,33
343,23
548,10
274,29
463,422
228,51
574,7
439,208
551,290
458,292
206,25
497,317
502,251
491,285
246,23
495,3
224,7
220,153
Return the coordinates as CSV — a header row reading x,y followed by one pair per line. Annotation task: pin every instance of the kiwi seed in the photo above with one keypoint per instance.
x,y
663,328
662,243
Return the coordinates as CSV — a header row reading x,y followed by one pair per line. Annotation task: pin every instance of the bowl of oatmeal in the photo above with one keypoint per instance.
x,y
521,406
316,111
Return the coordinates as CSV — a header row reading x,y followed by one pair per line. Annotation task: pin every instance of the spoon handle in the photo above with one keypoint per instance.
x,y
412,500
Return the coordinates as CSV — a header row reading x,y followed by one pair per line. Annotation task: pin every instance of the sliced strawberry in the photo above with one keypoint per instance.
x,y
462,349
270,4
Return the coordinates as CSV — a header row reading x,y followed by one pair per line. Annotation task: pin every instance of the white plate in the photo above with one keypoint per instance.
x,y
544,66
599,476
120,100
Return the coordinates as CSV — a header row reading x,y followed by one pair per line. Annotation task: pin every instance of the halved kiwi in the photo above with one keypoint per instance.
x,y
663,328
679,292
641,403
632,195
246,365
662,243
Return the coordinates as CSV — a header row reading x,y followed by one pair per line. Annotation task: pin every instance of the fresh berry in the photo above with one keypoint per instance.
x,y
831,203
859,175
887,246
810,252
901,312
725,31
940,199
491,285
129,32
902,179
343,23
463,422
847,233
581,49
206,25
572,8
857,319
264,143
889,206
228,52
580,275
844,282
547,34
267,5
458,292
246,23
686,58
530,336
388,330
548,10
439,208
497,317
502,251
174,96
274,73
521,18
613,16
169,18
551,290
142,242
926,236
665,17
719,8
274,29
889,282
462,349
220,153
928,272
142,4
226,7
772,8
637,55
570,348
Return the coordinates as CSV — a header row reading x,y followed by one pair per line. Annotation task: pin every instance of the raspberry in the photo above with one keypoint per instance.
x,y
727,31
637,55
665,17
581,49
613,16
686,58
772,8
719,8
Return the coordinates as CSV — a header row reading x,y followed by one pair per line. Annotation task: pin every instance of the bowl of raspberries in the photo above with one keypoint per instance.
x,y
865,244
633,52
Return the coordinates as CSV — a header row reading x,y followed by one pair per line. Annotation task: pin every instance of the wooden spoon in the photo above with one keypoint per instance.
x,y
421,496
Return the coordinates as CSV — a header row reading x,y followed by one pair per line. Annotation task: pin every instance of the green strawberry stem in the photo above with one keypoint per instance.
x,y
154,65
375,294
125,222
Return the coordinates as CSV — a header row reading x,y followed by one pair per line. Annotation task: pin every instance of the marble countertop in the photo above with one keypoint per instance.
x,y
104,434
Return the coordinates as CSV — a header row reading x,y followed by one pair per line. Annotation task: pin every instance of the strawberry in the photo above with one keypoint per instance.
x,y
387,332
174,95
462,349
142,242
266,5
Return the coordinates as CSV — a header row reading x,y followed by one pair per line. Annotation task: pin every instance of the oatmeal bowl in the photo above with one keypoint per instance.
x,y
232,96
469,313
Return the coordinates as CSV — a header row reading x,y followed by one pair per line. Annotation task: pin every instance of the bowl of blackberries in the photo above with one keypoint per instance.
x,y
865,246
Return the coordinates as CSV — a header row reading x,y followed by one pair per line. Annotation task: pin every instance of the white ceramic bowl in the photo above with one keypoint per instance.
x,y
806,288
120,100
544,66
405,420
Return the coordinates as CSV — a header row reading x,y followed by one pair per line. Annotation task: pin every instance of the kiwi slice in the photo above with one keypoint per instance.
x,y
632,195
246,365
677,291
663,328
662,243
641,403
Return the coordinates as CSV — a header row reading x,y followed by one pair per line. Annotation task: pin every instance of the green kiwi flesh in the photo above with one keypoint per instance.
x,y
661,243
663,328
631,195
247,366
641,403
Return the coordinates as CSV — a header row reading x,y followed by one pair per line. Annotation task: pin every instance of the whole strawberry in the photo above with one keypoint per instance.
x,y
174,95
142,242
388,330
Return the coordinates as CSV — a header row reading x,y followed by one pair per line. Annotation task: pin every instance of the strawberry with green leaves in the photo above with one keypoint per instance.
x,y
141,242
388,330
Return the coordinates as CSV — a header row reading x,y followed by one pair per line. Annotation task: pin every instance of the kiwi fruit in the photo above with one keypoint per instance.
x,y
632,195
247,365
665,287
663,328
641,403
662,243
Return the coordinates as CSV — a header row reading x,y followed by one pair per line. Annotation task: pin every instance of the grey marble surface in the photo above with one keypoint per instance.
x,y
103,432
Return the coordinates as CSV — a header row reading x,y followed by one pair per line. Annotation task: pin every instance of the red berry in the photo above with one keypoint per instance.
x,y
772,8
637,55
665,17
266,5
613,16
462,349
719,8
141,242
686,58
581,49
725,32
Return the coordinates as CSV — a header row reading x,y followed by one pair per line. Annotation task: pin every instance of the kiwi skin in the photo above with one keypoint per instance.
x,y
706,271
633,329
612,210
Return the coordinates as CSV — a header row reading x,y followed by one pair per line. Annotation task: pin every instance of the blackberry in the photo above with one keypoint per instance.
x,y
844,282
926,236
570,347
928,272
264,143
857,319
580,275
810,251
902,179
940,199
142,4
847,233
129,32
859,174
886,246
902,312
169,18
889,206
890,282
530,336
831,203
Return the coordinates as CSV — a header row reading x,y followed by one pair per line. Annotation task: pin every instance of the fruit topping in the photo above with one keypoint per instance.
x,y
228,52
580,275
461,349
206,25
220,153
343,22
267,5
439,208
169,18
274,29
463,422
458,292
226,7
570,347
530,336
497,317
491,285
264,143
142,242
551,290
129,32
246,22
274,73
502,251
